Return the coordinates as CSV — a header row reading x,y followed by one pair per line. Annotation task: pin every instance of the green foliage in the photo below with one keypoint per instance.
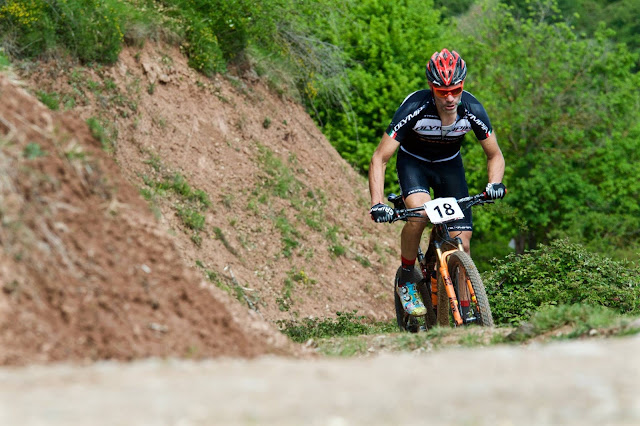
x,y
581,317
386,63
585,16
281,181
33,150
290,235
570,322
179,185
561,273
190,204
4,61
51,100
100,133
567,124
191,218
219,235
90,30
453,7
344,324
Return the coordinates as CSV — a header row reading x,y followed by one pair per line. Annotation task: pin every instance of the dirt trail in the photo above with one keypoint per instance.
x,y
594,382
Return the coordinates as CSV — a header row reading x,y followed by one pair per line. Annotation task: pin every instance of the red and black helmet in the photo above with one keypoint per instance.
x,y
446,68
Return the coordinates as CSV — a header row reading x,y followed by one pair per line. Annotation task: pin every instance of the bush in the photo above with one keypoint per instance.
x,y
561,273
345,324
88,30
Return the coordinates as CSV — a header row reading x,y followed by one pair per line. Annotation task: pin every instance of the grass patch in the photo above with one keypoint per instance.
x,y
279,180
190,203
4,61
344,324
290,235
105,132
573,321
51,100
230,285
219,235
33,150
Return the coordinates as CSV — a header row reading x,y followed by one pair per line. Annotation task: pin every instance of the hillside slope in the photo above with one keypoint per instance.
x,y
248,196
86,271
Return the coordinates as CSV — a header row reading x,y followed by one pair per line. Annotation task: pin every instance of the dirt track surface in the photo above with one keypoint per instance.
x,y
588,383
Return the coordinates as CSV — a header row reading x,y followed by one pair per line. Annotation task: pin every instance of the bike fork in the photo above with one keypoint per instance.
x,y
448,284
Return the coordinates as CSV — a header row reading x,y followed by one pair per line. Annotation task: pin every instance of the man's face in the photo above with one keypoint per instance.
x,y
447,97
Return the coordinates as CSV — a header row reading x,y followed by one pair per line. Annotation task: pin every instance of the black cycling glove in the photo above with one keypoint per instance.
x,y
381,213
496,190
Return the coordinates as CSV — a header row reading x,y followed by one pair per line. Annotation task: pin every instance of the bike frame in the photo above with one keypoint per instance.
x,y
440,237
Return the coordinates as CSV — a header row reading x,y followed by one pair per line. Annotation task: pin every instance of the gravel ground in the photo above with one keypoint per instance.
x,y
595,382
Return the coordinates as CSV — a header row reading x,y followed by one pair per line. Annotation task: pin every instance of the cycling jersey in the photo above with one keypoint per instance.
x,y
417,126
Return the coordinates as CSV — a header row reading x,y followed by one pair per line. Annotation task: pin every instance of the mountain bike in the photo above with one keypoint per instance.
x,y
448,280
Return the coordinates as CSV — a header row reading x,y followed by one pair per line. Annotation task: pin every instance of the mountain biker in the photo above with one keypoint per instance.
x,y
428,127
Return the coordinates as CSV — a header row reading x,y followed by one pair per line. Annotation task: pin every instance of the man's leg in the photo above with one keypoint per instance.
x,y
465,236
409,242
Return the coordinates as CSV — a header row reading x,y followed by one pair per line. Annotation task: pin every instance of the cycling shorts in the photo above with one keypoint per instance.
x,y
446,178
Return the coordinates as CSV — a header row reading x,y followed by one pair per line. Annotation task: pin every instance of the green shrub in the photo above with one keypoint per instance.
x,y
51,100
90,30
561,273
202,48
33,150
4,61
582,318
345,324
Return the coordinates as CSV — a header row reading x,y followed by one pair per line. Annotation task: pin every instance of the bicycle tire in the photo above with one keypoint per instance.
x,y
460,262
424,287
408,322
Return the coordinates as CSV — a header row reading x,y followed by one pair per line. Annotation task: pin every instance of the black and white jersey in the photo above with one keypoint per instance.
x,y
417,126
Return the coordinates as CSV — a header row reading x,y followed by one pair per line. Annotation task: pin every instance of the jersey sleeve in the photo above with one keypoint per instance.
x,y
405,116
478,117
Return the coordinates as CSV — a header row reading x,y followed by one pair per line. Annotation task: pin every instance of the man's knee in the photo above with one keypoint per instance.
x,y
465,237
414,226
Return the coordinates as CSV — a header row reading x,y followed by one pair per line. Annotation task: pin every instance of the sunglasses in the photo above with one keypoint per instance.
x,y
446,91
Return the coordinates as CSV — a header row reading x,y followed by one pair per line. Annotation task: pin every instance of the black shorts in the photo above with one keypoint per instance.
x,y
446,178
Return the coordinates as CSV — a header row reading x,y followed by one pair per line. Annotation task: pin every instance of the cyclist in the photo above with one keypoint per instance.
x,y
428,127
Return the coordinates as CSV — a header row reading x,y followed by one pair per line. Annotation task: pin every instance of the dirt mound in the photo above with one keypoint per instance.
x,y
250,204
86,271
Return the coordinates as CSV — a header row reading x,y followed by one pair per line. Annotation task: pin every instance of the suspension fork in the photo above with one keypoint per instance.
x,y
448,284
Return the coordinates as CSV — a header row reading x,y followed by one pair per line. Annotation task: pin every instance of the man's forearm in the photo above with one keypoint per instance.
x,y
376,182
495,169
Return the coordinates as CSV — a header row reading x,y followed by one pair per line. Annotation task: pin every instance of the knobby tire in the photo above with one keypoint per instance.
x,y
458,263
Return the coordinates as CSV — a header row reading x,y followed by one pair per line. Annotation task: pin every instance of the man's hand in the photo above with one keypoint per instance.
x,y
495,190
381,213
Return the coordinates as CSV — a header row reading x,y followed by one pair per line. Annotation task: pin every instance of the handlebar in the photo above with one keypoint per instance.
x,y
464,203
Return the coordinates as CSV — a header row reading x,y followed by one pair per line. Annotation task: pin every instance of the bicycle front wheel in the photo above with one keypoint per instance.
x,y
473,302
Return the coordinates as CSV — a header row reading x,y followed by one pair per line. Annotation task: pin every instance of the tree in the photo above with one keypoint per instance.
x,y
566,116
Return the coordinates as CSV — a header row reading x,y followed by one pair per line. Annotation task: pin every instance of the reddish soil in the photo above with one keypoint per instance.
x,y
91,270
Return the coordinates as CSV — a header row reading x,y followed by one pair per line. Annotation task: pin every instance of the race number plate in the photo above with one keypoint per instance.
x,y
442,210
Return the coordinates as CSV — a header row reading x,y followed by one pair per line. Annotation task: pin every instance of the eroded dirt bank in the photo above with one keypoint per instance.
x,y
594,382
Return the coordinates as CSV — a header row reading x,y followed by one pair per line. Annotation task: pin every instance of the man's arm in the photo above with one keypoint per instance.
x,y
377,167
495,160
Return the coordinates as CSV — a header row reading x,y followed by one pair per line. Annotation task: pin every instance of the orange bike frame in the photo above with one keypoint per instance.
x,y
448,284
